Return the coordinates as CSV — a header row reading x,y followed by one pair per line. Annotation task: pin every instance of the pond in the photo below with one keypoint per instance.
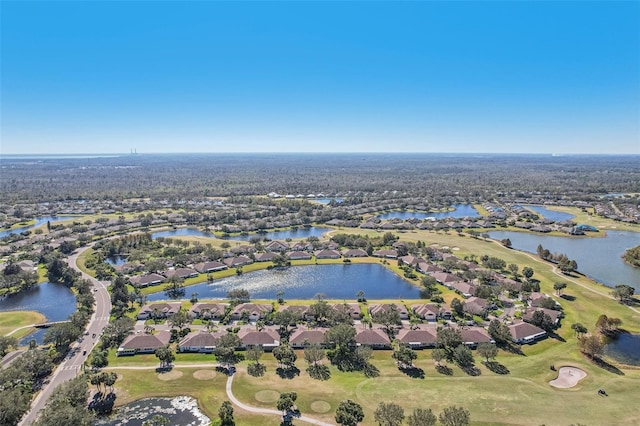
x,y
303,232
182,232
328,200
39,221
625,348
116,260
181,410
599,258
460,211
55,301
556,216
304,282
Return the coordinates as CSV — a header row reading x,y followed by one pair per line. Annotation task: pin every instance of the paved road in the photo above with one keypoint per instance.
x,y
72,364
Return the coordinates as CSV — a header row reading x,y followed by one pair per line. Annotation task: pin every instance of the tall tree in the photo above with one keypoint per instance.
x,y
454,416
422,417
225,414
349,413
389,414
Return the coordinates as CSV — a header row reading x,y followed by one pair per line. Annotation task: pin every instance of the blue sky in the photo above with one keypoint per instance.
x,y
452,76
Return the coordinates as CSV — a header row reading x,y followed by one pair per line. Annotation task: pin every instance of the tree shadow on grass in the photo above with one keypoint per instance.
x,y
512,348
413,372
556,336
606,366
102,404
496,367
471,370
288,373
568,297
444,369
165,369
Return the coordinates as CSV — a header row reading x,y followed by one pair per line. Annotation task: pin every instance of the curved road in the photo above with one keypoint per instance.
x,y
72,364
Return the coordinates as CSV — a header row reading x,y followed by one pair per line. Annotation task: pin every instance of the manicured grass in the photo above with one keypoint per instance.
x,y
521,397
137,384
82,260
11,320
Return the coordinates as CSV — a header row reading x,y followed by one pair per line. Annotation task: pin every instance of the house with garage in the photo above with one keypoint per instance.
x,y
250,311
158,310
200,341
418,337
143,343
523,332
302,337
266,338
208,311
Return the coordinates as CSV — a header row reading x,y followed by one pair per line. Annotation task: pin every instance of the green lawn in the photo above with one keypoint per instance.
x,y
9,321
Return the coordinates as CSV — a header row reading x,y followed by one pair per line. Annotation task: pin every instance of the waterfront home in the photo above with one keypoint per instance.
x,y
463,288
206,267
431,312
143,343
266,257
234,262
327,254
298,311
276,246
158,310
181,273
386,307
354,253
252,311
351,309
298,255
389,254
208,311
146,280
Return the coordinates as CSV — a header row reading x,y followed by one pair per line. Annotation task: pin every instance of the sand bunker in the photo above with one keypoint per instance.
x,y
568,377
204,374
170,375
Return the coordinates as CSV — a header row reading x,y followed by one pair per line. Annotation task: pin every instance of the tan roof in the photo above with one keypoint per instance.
x,y
144,341
251,336
521,330
201,339
372,336
421,335
314,335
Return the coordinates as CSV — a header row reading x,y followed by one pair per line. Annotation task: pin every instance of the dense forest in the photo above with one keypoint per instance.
x,y
187,176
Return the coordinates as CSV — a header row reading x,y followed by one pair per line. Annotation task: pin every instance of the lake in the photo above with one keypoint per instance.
x,y
460,211
328,200
116,260
599,258
54,301
302,232
625,348
181,410
39,221
182,232
304,282
556,216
